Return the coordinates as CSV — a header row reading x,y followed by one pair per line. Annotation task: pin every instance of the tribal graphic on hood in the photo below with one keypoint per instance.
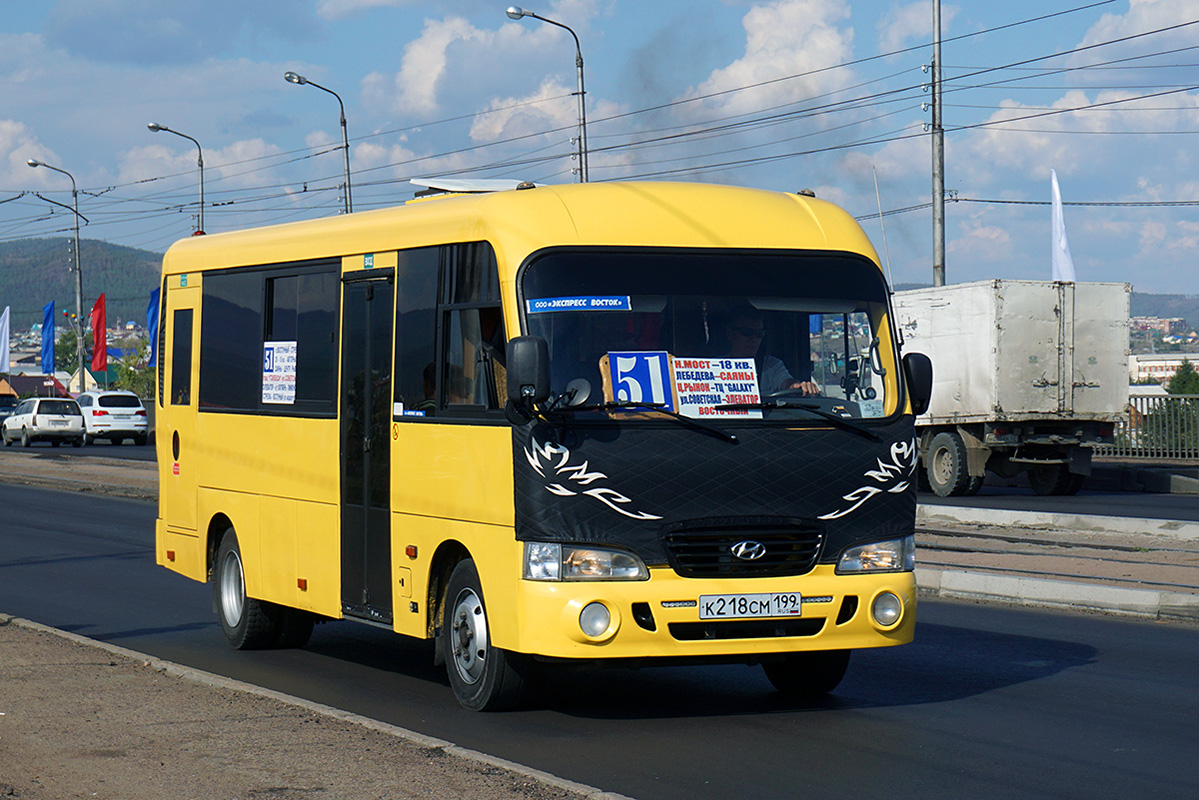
x,y
541,457
625,485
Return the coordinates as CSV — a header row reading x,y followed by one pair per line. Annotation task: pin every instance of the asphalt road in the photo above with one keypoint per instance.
x,y
989,701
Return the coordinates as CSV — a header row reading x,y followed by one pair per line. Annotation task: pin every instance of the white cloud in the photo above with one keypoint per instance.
x,y
981,244
782,38
339,9
17,146
913,21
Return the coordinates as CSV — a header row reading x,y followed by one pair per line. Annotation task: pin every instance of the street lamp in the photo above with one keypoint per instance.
x,y
155,128
516,12
33,162
300,80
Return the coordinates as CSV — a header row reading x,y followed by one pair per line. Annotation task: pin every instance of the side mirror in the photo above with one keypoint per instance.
x,y
918,371
528,370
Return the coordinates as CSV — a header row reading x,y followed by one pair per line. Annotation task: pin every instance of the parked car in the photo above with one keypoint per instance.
x,y
8,402
114,414
44,419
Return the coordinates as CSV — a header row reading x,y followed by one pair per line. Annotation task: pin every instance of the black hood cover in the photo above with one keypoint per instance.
x,y
628,485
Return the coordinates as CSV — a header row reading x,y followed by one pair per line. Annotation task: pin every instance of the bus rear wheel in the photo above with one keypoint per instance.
x,y
808,674
247,623
483,677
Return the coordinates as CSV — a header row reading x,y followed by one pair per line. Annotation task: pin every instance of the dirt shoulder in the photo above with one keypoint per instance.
x,y
47,467
83,720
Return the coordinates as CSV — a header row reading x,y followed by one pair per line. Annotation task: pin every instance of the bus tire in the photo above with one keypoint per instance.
x,y
247,623
808,674
293,627
947,474
483,677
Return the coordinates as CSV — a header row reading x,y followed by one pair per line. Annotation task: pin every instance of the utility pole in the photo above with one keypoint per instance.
x,y
938,156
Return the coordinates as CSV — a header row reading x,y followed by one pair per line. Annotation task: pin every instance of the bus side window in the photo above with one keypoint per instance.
x,y
181,358
415,372
472,328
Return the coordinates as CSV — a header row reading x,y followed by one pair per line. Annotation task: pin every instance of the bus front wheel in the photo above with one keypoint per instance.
x,y
808,674
483,677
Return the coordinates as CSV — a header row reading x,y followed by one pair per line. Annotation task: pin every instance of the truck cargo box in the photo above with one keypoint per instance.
x,y
1020,350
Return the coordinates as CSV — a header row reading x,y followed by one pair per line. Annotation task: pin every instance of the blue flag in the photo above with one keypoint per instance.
x,y
48,339
152,327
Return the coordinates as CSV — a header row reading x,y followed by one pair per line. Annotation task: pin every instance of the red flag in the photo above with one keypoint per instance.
x,y
99,337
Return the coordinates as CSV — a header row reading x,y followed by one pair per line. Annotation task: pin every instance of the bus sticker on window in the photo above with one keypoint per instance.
x,y
279,372
642,377
590,303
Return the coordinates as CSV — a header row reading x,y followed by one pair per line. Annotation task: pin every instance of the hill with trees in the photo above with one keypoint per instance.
x,y
35,271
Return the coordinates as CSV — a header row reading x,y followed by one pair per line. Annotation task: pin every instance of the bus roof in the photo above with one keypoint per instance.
x,y
523,221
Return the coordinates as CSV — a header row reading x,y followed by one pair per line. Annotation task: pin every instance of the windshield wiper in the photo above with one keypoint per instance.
x,y
767,405
661,409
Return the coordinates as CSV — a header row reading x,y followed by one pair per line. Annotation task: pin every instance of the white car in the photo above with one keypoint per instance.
x,y
44,419
114,414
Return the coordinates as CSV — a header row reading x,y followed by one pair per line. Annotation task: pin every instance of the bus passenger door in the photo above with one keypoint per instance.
x,y
367,324
176,424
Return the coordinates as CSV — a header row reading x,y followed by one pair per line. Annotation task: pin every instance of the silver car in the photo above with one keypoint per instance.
x,y
44,419
113,414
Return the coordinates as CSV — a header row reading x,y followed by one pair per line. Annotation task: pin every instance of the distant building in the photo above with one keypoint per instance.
x,y
1157,367
1176,325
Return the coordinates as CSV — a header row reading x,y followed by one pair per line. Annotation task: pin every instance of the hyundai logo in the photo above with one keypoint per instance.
x,y
748,551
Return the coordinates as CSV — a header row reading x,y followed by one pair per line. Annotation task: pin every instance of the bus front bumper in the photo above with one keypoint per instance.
x,y
672,617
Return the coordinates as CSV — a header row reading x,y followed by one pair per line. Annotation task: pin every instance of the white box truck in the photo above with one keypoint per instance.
x,y
1027,376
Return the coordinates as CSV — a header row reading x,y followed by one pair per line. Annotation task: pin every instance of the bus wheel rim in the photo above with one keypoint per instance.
x,y
468,636
233,590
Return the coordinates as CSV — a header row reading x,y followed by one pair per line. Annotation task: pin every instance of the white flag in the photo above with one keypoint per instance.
x,y
5,356
1063,265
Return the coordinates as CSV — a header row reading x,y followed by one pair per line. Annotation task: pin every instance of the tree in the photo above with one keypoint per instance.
x,y
1185,380
1172,427
64,350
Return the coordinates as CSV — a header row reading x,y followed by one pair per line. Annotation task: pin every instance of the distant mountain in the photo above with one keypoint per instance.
x,y
35,271
1166,306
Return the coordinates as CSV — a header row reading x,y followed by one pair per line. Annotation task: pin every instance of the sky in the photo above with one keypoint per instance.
x,y
828,95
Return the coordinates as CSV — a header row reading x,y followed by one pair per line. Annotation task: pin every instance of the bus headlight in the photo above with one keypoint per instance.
x,y
550,561
893,555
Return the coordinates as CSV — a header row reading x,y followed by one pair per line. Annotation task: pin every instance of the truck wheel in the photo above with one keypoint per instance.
x,y
1054,479
483,677
808,674
947,475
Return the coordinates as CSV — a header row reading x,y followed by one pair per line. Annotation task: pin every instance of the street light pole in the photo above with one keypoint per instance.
x,y
155,128
300,80
33,162
516,12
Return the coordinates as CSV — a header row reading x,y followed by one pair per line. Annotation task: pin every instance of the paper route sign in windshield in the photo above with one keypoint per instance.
x,y
691,386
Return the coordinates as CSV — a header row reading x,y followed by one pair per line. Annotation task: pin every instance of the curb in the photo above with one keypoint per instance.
x,y
1040,592
1178,529
420,739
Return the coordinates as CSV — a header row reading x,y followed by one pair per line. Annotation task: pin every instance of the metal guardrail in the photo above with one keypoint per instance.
x,y
1158,426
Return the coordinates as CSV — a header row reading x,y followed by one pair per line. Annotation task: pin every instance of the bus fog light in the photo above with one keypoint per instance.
x,y
594,619
886,609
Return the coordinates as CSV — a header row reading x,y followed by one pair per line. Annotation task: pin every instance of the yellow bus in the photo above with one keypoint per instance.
x,y
610,423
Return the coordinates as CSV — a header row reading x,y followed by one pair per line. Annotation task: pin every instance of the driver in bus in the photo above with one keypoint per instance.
x,y
744,331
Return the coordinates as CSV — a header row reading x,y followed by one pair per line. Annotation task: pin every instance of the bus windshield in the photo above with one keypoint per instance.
x,y
715,334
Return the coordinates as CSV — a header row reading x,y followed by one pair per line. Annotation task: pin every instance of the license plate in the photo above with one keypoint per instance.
x,y
58,422
121,416
736,606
